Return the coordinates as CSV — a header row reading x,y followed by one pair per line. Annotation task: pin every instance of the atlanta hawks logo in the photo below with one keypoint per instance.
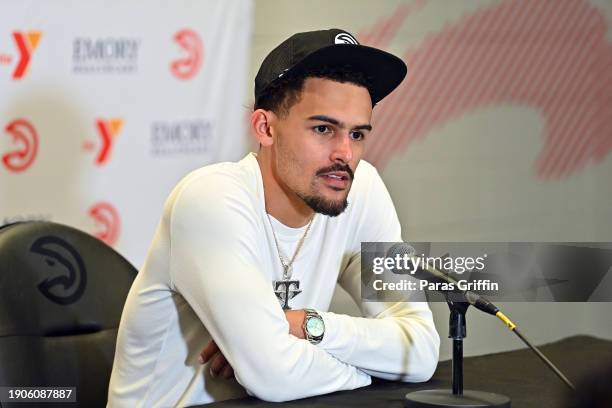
x,y
25,137
68,276
107,217
188,66
345,38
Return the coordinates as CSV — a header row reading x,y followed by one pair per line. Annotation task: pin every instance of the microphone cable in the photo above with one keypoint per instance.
x,y
512,327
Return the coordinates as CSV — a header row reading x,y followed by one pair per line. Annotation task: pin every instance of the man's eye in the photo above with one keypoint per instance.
x,y
357,135
322,129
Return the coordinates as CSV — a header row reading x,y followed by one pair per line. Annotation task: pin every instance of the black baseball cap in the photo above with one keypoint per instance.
x,y
334,47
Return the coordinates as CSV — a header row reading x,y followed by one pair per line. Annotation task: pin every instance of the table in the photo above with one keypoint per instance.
x,y
518,374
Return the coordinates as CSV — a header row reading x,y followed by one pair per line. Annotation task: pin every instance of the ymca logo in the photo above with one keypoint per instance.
x,y
189,66
26,45
107,217
108,130
24,135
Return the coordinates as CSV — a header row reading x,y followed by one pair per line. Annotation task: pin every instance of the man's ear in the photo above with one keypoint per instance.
x,y
260,125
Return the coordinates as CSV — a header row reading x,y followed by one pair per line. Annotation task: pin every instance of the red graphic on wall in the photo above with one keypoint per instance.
x,y
188,66
26,45
549,55
107,218
24,135
108,130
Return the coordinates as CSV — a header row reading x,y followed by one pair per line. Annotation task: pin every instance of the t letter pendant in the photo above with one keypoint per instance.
x,y
286,290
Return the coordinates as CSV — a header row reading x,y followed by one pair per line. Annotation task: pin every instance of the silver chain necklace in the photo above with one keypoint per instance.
x,y
286,288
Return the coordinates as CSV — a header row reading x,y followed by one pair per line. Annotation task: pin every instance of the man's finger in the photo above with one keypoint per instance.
x,y
208,351
227,372
217,363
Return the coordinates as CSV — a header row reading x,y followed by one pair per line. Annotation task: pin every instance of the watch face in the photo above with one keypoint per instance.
x,y
315,326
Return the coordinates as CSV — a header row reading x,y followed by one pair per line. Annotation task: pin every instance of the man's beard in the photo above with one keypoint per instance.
x,y
326,207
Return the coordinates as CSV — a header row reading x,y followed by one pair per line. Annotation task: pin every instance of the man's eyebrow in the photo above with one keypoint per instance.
x,y
363,127
327,119
333,121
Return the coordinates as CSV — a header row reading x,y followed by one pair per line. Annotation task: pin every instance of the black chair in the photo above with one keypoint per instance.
x,y
61,296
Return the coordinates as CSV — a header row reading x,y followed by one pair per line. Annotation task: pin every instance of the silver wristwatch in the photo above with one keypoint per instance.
x,y
314,327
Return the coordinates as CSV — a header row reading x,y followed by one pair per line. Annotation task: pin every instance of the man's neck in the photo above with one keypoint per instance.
x,y
281,203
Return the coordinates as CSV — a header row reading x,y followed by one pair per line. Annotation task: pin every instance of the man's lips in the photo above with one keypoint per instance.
x,y
336,179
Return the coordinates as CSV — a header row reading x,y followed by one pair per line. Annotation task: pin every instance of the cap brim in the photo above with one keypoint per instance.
x,y
384,70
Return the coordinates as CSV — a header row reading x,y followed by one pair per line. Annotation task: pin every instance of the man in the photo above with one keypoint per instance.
x,y
247,254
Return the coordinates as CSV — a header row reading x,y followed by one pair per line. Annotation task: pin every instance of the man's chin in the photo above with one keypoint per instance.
x,y
321,205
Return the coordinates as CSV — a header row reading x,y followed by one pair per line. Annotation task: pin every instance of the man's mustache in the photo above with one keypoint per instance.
x,y
336,167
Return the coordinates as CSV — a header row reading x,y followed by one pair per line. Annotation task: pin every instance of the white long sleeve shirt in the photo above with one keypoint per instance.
x,y
209,273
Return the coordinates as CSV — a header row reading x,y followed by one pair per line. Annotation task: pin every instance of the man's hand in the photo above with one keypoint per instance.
x,y
219,365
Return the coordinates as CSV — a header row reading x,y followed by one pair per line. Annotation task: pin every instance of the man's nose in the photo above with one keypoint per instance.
x,y
343,149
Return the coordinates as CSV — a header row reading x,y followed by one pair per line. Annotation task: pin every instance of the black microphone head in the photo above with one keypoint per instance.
x,y
401,249
481,303
431,274
420,268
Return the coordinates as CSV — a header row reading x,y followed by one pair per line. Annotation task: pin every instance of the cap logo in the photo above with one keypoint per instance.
x,y
345,38
283,73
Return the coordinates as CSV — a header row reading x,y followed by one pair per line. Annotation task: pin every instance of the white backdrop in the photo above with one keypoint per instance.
x,y
105,105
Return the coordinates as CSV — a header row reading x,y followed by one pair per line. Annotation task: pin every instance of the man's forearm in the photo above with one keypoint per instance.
x,y
393,347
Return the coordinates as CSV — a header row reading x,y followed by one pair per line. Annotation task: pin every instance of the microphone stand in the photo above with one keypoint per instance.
x,y
458,397
457,331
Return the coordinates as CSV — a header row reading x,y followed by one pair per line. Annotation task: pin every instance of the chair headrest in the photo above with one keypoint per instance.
x,y
56,280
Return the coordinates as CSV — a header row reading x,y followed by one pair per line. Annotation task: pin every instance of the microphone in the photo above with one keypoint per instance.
x,y
428,273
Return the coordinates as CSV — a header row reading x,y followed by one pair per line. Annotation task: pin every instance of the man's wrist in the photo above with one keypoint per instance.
x,y
296,318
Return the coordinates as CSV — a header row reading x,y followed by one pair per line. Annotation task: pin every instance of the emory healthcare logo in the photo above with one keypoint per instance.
x,y
26,45
108,130
107,216
105,55
23,134
188,67
181,137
